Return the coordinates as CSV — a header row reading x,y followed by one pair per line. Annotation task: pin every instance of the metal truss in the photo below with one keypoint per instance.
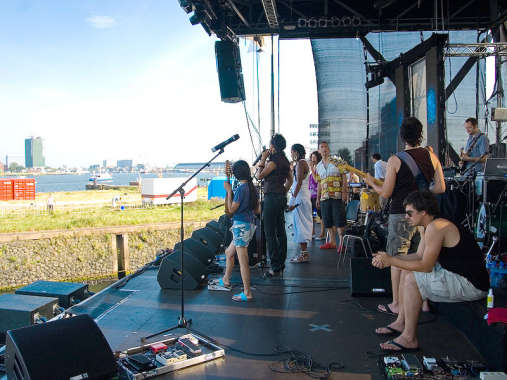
x,y
270,11
479,49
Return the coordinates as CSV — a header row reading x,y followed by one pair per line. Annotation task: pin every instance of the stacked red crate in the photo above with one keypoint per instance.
x,y
6,189
24,188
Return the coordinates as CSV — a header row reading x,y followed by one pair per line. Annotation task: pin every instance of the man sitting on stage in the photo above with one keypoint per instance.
x,y
448,267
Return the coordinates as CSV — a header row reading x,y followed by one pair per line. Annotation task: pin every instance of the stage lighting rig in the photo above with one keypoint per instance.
x,y
186,5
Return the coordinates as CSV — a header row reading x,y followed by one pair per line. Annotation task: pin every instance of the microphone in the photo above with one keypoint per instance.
x,y
223,144
259,156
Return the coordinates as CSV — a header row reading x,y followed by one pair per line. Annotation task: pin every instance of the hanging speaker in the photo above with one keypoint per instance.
x,y
170,276
230,76
70,348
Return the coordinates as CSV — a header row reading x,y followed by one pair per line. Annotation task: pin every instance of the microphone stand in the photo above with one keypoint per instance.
x,y
183,323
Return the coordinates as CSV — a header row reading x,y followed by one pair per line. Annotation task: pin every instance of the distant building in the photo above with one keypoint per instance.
x,y
33,153
124,164
197,165
314,137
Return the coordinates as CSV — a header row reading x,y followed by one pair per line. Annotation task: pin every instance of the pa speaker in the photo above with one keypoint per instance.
x,y
366,280
170,276
195,248
209,238
230,77
71,348
217,227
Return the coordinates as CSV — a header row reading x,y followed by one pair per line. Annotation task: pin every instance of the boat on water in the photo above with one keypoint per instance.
x,y
101,177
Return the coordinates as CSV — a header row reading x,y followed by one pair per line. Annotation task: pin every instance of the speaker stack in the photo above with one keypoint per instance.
x,y
199,252
230,76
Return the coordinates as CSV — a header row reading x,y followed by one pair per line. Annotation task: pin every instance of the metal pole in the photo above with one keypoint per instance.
x,y
272,88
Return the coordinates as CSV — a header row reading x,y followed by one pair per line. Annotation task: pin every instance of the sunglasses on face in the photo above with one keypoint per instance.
x,y
409,213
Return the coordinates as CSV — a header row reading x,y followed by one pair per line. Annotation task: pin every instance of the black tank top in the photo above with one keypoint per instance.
x,y
405,181
466,259
274,182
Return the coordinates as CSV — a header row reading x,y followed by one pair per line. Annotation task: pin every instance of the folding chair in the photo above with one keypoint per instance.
x,y
365,243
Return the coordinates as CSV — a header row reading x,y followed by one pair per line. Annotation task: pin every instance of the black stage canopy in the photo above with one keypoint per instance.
x,y
340,18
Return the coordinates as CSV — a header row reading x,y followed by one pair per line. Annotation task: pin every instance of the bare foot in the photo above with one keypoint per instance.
x,y
400,344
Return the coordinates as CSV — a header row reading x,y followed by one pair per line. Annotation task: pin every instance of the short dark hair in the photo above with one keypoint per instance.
x,y
423,201
377,156
241,171
278,141
411,131
471,120
323,142
299,149
316,154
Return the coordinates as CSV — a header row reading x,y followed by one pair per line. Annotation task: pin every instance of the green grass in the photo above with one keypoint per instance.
x,y
105,215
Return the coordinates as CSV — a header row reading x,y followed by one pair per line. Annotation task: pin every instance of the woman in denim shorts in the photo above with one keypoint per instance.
x,y
242,204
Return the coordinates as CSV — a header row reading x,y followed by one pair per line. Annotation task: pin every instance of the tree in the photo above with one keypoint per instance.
x,y
344,153
15,167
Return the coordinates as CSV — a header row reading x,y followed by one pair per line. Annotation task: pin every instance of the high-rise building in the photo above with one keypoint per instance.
x,y
33,153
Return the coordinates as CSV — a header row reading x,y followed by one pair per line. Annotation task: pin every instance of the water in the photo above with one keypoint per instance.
x,y
70,182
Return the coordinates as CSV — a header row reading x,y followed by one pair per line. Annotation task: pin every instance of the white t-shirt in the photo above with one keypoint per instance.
x,y
380,169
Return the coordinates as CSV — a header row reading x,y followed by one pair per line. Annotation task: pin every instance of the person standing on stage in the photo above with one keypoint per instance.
x,y
476,148
315,158
277,181
379,167
242,204
331,197
399,182
300,205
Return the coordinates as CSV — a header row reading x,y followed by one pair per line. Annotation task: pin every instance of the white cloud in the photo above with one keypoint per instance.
x,y
101,22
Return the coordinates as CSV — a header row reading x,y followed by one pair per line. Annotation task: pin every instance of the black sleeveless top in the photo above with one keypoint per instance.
x,y
466,259
274,182
405,181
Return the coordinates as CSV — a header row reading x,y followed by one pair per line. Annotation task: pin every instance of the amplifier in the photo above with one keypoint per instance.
x,y
68,293
18,310
366,280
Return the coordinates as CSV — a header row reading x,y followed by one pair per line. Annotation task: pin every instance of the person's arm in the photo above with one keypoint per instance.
x,y
386,189
288,181
423,262
232,206
300,175
319,192
265,169
438,186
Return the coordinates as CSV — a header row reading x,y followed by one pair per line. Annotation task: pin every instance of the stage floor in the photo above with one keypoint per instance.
x,y
309,310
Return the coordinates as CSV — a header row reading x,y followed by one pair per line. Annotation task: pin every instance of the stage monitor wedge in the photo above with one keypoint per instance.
x,y
69,348
230,76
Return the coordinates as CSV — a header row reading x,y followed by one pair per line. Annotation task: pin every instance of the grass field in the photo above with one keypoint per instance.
x,y
93,209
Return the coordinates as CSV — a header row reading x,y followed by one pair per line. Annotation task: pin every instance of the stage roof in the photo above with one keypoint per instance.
x,y
340,18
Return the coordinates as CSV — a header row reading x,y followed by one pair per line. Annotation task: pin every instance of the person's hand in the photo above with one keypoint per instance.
x,y
290,208
381,260
227,186
465,157
368,179
265,155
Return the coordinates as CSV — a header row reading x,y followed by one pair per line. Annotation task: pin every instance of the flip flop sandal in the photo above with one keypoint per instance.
x,y
390,333
401,348
387,309
241,297
327,246
218,284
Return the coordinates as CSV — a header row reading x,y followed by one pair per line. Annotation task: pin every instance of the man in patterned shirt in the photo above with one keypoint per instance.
x,y
331,195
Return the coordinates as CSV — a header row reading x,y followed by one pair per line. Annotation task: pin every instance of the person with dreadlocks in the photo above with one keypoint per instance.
x,y
242,204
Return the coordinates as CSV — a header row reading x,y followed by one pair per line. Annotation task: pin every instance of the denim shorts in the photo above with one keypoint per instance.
x,y
242,233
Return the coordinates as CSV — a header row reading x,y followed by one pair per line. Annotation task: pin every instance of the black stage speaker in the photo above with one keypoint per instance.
x,y
217,227
70,348
169,273
366,280
209,238
230,77
195,248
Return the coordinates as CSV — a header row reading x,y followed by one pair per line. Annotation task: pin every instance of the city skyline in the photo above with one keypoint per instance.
x,y
135,79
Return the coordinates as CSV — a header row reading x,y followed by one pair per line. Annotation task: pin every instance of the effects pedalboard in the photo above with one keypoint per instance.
x,y
154,359
409,366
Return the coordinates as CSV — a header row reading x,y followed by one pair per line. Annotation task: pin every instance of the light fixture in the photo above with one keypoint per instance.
x,y
186,5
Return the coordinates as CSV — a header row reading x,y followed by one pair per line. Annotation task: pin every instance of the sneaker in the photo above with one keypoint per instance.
x,y
273,274
303,257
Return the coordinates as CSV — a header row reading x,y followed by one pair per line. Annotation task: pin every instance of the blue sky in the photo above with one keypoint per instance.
x,y
132,79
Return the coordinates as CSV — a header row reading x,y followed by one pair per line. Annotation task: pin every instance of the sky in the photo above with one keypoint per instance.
x,y
128,79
